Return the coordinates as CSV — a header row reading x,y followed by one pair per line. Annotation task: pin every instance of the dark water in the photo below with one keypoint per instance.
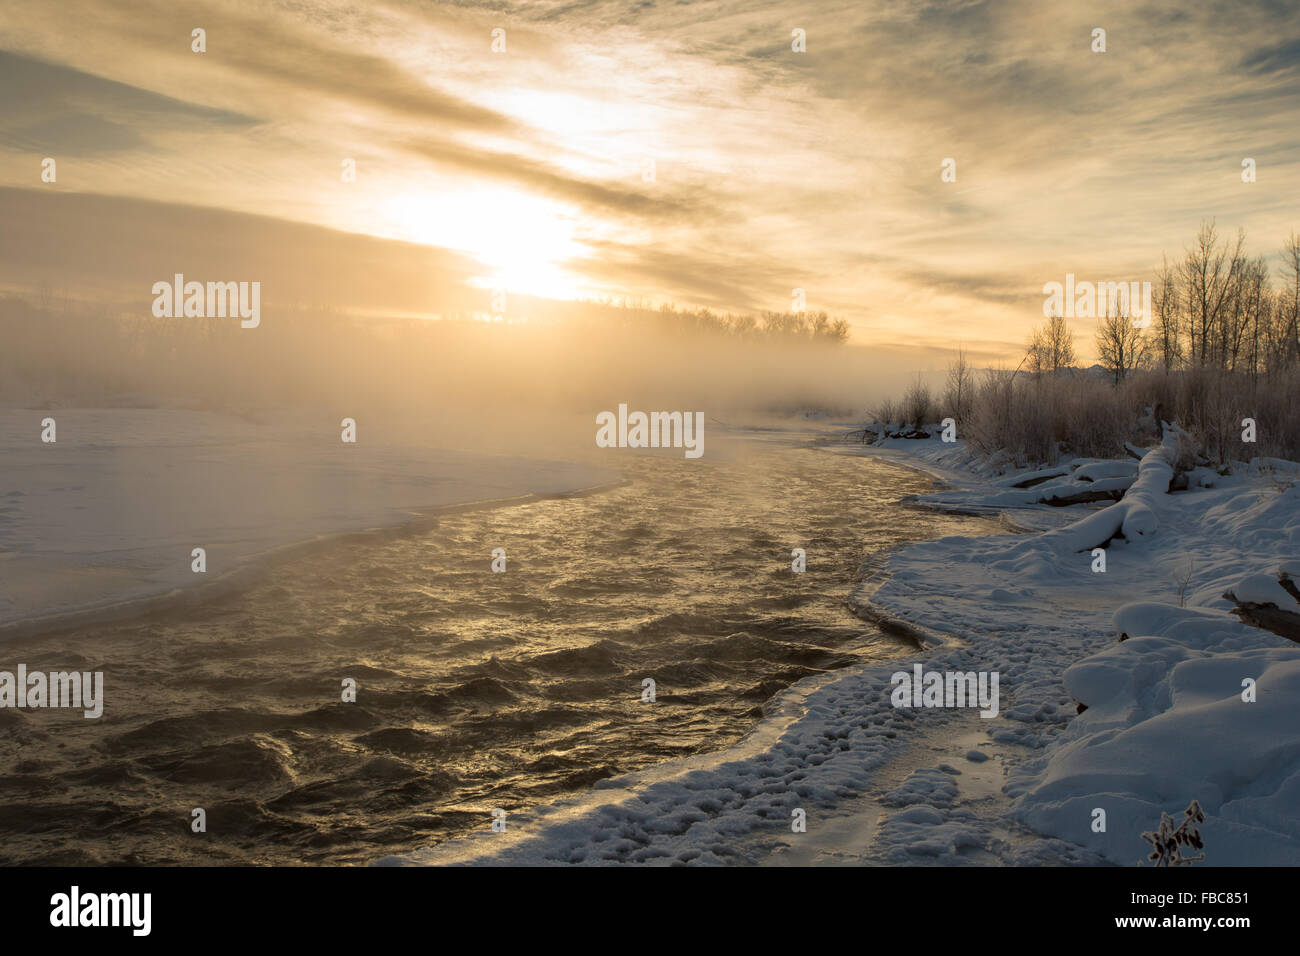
x,y
476,690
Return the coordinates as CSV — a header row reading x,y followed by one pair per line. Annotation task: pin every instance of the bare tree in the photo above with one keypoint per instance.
x,y
1051,347
1252,313
1167,319
917,403
1209,278
1121,347
959,392
1288,315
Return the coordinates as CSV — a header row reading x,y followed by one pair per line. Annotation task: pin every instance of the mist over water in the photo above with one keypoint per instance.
x,y
476,690
472,377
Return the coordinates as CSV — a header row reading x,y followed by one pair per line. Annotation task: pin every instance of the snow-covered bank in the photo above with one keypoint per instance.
x,y
108,515
1165,721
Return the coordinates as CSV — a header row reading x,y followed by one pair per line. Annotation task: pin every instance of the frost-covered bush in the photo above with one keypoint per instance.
x,y
886,412
918,404
1041,419
1170,841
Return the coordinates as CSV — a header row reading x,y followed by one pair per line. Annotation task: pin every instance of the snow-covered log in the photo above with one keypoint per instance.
x,y
1269,603
1029,479
1101,470
1133,516
1134,450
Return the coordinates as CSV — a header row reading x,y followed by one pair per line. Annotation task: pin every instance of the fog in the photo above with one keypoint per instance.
x,y
466,381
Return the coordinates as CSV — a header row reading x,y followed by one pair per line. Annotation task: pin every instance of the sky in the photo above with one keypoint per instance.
x,y
664,151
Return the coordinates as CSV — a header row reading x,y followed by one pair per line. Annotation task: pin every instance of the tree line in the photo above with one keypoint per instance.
x,y
1216,308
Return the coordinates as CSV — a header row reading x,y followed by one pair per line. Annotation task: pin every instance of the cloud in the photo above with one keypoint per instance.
x,y
45,107
735,279
279,52
112,249
775,169
1277,58
551,181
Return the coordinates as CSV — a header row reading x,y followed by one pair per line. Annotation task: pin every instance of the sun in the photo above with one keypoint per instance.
x,y
522,241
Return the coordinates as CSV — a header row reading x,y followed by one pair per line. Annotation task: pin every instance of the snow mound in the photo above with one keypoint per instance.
x,y
1265,589
1193,705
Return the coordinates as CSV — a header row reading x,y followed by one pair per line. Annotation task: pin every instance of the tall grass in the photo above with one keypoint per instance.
x,y
1041,419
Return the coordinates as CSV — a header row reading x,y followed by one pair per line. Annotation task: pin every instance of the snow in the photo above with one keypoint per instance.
x,y
1100,470
1264,589
107,516
1165,720
1167,723
933,788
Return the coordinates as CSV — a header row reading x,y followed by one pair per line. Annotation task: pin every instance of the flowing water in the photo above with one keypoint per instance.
x,y
475,689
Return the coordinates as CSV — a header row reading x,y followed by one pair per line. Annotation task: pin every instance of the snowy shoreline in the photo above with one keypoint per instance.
x,y
1188,704
882,785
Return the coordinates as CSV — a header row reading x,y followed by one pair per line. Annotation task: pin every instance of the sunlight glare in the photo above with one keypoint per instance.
x,y
522,241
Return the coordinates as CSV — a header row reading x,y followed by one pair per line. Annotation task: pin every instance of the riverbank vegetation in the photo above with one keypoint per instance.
x,y
1220,356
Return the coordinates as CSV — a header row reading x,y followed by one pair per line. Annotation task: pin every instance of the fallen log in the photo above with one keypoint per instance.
x,y
1133,515
1271,605
1105,470
1082,492
1135,451
1082,498
1267,617
1034,478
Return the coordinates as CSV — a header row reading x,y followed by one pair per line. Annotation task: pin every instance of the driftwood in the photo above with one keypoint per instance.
x,y
1083,497
1267,617
1037,480
878,432
1270,617
1132,514
1036,477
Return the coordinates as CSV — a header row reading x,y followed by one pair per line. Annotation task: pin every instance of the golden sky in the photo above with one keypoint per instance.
x,y
772,169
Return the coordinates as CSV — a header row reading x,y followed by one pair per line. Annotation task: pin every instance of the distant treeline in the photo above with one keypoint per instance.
x,y
813,328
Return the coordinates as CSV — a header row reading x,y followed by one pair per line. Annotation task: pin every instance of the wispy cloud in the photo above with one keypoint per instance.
x,y
45,107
